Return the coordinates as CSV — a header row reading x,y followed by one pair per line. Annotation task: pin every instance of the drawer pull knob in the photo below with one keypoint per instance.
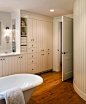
x,y
33,39
19,57
32,44
0,59
32,50
32,69
48,49
48,53
32,61
32,55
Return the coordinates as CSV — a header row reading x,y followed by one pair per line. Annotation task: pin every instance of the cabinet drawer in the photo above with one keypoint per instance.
x,y
32,56
32,68
32,61
31,45
32,50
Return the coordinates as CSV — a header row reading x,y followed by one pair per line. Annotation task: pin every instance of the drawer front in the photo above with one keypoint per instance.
x,y
32,56
32,61
32,68
31,45
32,50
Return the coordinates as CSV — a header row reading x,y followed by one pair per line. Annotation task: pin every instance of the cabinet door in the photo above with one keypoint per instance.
x,y
19,64
44,36
49,36
29,68
39,62
23,63
45,61
29,28
0,66
34,30
50,62
14,64
7,66
39,35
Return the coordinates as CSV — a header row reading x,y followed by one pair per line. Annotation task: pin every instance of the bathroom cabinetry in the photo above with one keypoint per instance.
x,y
13,65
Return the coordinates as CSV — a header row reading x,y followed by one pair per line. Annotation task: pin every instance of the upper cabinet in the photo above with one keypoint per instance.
x,y
32,30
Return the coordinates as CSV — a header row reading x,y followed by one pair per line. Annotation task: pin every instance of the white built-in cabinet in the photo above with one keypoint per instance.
x,y
13,65
39,45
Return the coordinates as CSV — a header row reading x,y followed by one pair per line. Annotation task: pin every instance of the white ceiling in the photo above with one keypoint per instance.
x,y
61,7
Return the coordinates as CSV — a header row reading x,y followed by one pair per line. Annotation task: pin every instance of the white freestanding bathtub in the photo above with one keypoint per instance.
x,y
27,83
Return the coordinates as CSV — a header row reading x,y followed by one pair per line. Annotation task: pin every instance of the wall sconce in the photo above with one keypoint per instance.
x,y
8,31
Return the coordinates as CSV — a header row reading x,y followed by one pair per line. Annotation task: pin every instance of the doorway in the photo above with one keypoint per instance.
x,y
60,45
65,47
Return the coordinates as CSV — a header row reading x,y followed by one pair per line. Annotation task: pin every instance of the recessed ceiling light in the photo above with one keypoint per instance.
x,y
51,10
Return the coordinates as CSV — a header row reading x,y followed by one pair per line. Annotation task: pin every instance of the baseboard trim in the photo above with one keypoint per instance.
x,y
80,93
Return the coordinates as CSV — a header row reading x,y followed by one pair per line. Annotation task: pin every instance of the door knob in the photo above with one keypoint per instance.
x,y
58,49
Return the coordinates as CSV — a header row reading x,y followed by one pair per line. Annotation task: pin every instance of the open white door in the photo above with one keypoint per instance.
x,y
67,48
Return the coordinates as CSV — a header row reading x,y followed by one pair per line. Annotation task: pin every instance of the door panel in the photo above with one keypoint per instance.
x,y
50,61
39,35
45,61
34,30
45,37
29,28
50,36
19,64
67,47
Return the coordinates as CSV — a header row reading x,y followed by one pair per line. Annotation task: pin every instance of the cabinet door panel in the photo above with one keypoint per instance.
x,y
0,66
39,62
7,66
45,61
16,64
50,36
34,30
19,64
50,66
32,50
44,36
30,56
29,28
32,61
39,35
32,45
29,68
34,68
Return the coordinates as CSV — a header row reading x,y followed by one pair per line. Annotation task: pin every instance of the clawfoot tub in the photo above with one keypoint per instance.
x,y
27,83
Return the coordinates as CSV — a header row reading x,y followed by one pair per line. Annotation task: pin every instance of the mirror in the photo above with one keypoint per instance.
x,y
1,32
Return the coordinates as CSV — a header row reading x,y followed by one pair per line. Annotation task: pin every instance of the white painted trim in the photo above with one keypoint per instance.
x,y
1,33
80,93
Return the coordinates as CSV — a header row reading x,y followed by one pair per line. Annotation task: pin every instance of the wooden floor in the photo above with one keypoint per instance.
x,y
54,91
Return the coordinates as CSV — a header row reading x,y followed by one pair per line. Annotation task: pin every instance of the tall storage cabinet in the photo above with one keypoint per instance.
x,y
39,38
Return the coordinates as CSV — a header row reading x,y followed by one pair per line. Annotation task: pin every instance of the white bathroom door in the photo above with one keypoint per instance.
x,y
67,48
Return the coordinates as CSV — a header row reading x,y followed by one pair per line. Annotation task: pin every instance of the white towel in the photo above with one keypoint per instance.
x,y
13,96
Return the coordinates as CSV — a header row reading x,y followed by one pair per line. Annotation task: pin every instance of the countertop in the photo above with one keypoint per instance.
x,y
10,54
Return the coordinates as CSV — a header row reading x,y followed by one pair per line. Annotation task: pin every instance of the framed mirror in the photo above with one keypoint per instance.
x,y
1,27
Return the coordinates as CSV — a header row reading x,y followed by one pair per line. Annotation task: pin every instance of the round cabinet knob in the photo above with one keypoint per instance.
x,y
32,69
48,49
32,55
32,50
32,44
48,53
32,61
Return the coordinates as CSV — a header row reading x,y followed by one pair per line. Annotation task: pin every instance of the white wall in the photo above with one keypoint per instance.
x,y
6,17
80,47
